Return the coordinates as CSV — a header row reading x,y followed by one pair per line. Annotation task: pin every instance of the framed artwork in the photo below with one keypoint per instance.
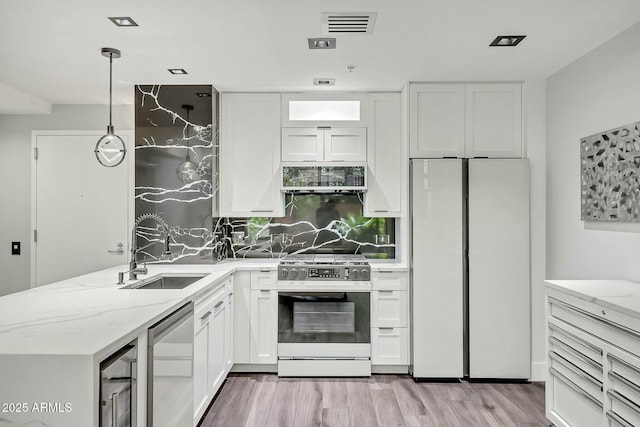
x,y
610,181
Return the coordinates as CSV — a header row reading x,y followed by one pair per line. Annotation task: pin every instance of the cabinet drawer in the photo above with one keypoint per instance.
x,y
264,279
389,280
600,322
587,355
569,404
389,346
389,309
624,388
573,375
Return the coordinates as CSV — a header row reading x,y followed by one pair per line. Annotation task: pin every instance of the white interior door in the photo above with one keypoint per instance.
x,y
80,209
499,294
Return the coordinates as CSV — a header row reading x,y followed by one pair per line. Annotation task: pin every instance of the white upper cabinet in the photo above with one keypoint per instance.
x,y
250,155
324,144
465,120
384,156
436,120
493,120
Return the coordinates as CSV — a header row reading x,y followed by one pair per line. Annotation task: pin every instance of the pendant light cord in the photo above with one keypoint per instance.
x,y
110,86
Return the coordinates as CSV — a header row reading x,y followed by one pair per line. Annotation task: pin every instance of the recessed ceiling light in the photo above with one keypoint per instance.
x,y
324,82
123,21
322,43
177,71
507,41
203,95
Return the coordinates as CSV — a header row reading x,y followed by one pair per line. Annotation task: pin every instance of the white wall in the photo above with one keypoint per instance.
x,y
599,91
15,176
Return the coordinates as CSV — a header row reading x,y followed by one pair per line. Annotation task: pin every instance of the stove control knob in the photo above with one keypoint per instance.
x,y
364,274
292,273
282,273
355,274
302,273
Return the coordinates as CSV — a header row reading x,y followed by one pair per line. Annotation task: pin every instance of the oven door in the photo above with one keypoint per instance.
x,y
324,333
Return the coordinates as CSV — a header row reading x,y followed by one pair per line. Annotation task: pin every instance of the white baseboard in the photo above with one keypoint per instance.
x,y
538,371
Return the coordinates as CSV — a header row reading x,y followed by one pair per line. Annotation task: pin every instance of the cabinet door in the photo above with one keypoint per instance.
x,y
436,120
217,362
241,315
228,333
384,156
302,144
264,326
345,144
499,291
494,120
389,346
389,309
250,155
201,366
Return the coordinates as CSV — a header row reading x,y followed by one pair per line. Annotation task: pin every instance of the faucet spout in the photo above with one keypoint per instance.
x,y
134,270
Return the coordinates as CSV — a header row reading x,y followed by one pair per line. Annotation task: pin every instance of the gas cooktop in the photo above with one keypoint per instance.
x,y
324,267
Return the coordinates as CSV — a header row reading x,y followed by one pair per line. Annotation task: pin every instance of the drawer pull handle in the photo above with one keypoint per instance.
x,y
617,377
624,400
207,314
576,370
585,313
573,386
265,271
385,271
618,419
386,328
218,304
578,354
623,363
385,291
575,337
262,210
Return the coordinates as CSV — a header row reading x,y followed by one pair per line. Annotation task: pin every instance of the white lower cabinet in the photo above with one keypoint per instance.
x,y
264,326
389,318
593,366
212,344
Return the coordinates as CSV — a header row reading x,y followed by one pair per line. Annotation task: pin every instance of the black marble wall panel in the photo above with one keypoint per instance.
x,y
176,171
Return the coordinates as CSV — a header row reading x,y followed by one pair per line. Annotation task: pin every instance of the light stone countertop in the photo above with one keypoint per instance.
x,y
619,295
88,315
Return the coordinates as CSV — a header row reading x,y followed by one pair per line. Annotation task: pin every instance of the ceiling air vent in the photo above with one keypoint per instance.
x,y
348,22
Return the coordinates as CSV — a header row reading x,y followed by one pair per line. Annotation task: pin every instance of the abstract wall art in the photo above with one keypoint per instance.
x,y
610,181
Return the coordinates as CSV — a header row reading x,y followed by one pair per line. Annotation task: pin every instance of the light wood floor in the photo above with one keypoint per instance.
x,y
261,400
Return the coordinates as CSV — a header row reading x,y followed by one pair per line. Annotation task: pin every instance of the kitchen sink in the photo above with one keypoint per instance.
x,y
166,282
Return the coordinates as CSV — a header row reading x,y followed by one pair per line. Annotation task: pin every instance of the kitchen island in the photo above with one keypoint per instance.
x,y
53,338
593,353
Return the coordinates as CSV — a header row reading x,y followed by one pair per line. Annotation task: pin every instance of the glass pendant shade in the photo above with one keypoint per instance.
x,y
187,170
110,149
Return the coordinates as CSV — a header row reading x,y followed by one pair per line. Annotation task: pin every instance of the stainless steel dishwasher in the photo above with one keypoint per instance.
x,y
170,370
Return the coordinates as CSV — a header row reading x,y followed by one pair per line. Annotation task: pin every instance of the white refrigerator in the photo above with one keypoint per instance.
x,y
470,279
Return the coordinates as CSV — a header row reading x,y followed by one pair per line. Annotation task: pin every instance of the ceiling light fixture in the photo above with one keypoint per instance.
x,y
110,149
503,41
123,21
203,95
177,71
322,43
324,82
351,68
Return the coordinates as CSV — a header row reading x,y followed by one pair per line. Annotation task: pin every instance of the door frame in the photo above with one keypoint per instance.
x,y
130,165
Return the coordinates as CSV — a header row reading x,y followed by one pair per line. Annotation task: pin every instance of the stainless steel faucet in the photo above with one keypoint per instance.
x,y
134,269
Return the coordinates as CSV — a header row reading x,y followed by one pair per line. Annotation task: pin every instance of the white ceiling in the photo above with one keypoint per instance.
x,y
50,50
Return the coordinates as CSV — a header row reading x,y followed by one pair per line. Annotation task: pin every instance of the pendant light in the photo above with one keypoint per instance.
x,y
110,149
187,171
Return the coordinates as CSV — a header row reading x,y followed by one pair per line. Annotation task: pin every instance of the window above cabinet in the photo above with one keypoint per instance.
x,y
324,109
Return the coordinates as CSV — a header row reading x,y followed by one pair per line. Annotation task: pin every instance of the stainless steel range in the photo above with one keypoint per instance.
x,y
324,323
325,267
